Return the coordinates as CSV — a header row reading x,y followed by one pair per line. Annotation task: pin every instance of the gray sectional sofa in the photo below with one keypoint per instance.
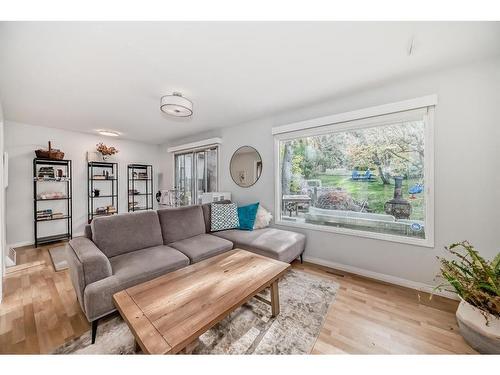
x,y
124,250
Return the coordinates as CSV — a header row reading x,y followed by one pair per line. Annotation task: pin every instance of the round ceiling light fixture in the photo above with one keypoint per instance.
x,y
176,105
109,133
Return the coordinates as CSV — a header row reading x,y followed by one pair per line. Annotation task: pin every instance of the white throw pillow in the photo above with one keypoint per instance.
x,y
263,218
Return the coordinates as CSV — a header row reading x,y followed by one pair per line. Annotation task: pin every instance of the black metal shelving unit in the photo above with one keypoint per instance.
x,y
96,169
66,182
140,179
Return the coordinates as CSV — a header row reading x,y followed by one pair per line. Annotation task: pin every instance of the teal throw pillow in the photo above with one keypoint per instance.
x,y
247,215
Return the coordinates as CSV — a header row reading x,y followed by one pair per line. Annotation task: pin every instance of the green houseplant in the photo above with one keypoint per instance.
x,y
477,283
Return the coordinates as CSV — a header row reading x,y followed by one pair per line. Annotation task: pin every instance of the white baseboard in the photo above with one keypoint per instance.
x,y
27,243
19,244
9,262
382,277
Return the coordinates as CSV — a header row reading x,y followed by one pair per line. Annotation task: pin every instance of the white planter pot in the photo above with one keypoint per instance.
x,y
472,323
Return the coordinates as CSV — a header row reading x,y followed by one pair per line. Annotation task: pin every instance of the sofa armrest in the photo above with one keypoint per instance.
x,y
95,265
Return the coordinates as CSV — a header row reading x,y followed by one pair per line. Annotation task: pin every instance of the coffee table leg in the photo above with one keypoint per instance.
x,y
190,347
137,347
275,299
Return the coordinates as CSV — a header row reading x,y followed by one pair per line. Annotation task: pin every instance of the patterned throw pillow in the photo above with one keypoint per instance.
x,y
224,216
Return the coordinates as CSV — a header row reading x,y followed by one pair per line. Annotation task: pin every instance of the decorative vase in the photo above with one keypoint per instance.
x,y
480,329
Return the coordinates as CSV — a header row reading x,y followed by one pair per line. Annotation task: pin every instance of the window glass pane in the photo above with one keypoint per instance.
x,y
187,190
212,170
369,179
200,176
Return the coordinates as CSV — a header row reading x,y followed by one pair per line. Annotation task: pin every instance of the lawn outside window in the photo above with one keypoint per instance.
x,y
369,176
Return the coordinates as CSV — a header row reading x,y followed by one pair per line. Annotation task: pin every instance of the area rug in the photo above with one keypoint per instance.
x,y
250,329
58,256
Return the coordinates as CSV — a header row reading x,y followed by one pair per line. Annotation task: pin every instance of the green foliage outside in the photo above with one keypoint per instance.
x,y
388,151
375,193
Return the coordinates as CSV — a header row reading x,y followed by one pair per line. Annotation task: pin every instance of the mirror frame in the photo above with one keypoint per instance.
x,y
231,161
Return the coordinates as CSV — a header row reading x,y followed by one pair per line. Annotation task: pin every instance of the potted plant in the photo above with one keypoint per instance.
x,y
477,283
106,151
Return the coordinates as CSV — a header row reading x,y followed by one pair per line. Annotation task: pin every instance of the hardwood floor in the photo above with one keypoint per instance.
x,y
40,312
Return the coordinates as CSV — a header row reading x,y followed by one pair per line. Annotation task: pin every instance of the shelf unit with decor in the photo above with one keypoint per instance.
x,y
140,180
58,175
102,177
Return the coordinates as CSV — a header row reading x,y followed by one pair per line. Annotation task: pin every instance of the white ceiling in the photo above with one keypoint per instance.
x,y
110,75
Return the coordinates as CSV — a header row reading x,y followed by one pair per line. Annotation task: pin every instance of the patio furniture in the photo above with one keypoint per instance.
x,y
367,176
415,189
291,203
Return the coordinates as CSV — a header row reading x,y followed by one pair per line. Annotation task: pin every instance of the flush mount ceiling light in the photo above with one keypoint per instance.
x,y
108,133
176,105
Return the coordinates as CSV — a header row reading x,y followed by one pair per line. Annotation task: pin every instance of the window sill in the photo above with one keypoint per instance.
x,y
357,233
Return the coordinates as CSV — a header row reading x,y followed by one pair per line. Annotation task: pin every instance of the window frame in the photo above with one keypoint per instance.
x,y
362,119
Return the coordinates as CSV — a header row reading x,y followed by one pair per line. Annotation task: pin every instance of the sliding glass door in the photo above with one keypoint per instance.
x,y
195,174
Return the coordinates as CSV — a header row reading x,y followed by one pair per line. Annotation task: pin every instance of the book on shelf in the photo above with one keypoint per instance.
x,y
56,179
42,213
51,195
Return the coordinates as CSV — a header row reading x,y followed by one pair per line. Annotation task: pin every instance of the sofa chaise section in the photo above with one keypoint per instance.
x,y
274,243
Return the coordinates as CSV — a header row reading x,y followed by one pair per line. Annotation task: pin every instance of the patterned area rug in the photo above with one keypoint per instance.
x,y
304,299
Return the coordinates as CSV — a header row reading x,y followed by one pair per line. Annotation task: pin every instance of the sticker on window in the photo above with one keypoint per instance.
x,y
416,227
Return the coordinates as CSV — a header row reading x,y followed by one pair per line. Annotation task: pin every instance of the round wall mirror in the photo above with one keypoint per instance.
x,y
245,166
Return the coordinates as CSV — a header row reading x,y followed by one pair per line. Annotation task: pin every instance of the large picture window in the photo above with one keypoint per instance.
x,y
370,177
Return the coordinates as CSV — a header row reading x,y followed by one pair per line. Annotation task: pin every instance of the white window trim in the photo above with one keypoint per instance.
x,y
195,145
405,105
357,120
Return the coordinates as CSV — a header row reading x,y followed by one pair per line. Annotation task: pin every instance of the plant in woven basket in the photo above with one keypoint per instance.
x,y
474,279
106,151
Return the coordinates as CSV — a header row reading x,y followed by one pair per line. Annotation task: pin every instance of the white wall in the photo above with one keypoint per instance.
x,y
2,206
467,169
21,140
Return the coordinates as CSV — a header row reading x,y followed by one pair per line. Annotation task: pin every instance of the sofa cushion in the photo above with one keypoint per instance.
x,y
275,243
120,234
180,223
128,270
146,264
202,246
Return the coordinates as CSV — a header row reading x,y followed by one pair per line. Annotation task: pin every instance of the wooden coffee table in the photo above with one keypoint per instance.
x,y
169,313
